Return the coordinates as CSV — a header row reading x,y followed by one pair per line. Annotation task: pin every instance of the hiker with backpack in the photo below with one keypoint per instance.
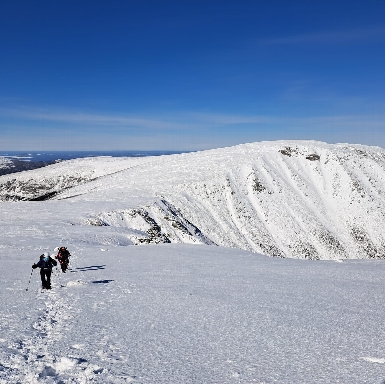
x,y
46,263
63,256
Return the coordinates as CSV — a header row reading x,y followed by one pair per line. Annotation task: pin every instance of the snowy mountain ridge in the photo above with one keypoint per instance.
x,y
298,199
185,313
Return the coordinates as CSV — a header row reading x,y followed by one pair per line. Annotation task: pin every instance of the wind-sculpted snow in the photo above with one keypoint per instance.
x,y
286,199
174,227
43,184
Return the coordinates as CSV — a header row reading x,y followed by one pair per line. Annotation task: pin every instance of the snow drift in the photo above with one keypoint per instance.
x,y
288,198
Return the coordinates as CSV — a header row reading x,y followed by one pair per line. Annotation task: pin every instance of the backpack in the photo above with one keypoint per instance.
x,y
63,255
46,263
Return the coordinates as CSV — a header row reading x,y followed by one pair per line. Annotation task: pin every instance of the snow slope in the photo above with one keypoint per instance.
x,y
44,183
287,198
176,313
196,313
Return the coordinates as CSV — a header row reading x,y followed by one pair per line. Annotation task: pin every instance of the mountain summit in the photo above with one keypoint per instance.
x,y
298,199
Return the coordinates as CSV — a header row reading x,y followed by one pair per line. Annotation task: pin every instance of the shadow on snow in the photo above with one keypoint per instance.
x,y
102,281
90,268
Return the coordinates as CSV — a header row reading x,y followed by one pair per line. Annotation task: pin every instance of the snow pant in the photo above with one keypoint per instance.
x,y
64,266
45,275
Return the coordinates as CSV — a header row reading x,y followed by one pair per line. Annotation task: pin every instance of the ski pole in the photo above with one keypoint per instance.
x,y
30,276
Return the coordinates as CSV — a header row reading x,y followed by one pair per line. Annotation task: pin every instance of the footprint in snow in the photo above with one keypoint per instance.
x,y
76,283
79,367
78,346
374,360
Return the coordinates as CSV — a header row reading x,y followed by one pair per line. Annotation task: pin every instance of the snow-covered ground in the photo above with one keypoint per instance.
x,y
287,198
176,313
191,314
185,310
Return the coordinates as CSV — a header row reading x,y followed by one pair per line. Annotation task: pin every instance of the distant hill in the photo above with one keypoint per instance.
x,y
9,165
299,199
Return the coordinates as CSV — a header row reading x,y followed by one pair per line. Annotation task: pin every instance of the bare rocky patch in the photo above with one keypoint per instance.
x,y
331,242
289,151
363,240
313,157
304,250
37,190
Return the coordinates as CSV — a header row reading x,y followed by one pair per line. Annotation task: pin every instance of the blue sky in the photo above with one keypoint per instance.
x,y
189,74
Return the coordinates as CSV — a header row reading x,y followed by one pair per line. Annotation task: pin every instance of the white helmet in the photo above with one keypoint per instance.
x,y
46,254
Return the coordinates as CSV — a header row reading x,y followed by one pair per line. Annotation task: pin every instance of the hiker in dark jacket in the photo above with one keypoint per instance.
x,y
46,263
64,258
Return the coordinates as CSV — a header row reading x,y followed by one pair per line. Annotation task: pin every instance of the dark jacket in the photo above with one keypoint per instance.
x,y
45,263
63,256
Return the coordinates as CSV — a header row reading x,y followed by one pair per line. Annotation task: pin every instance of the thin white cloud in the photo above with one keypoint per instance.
x,y
210,131
91,119
185,121
328,37
320,121
227,119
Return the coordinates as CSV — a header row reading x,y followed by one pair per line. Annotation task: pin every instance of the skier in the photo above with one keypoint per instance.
x,y
45,264
63,257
